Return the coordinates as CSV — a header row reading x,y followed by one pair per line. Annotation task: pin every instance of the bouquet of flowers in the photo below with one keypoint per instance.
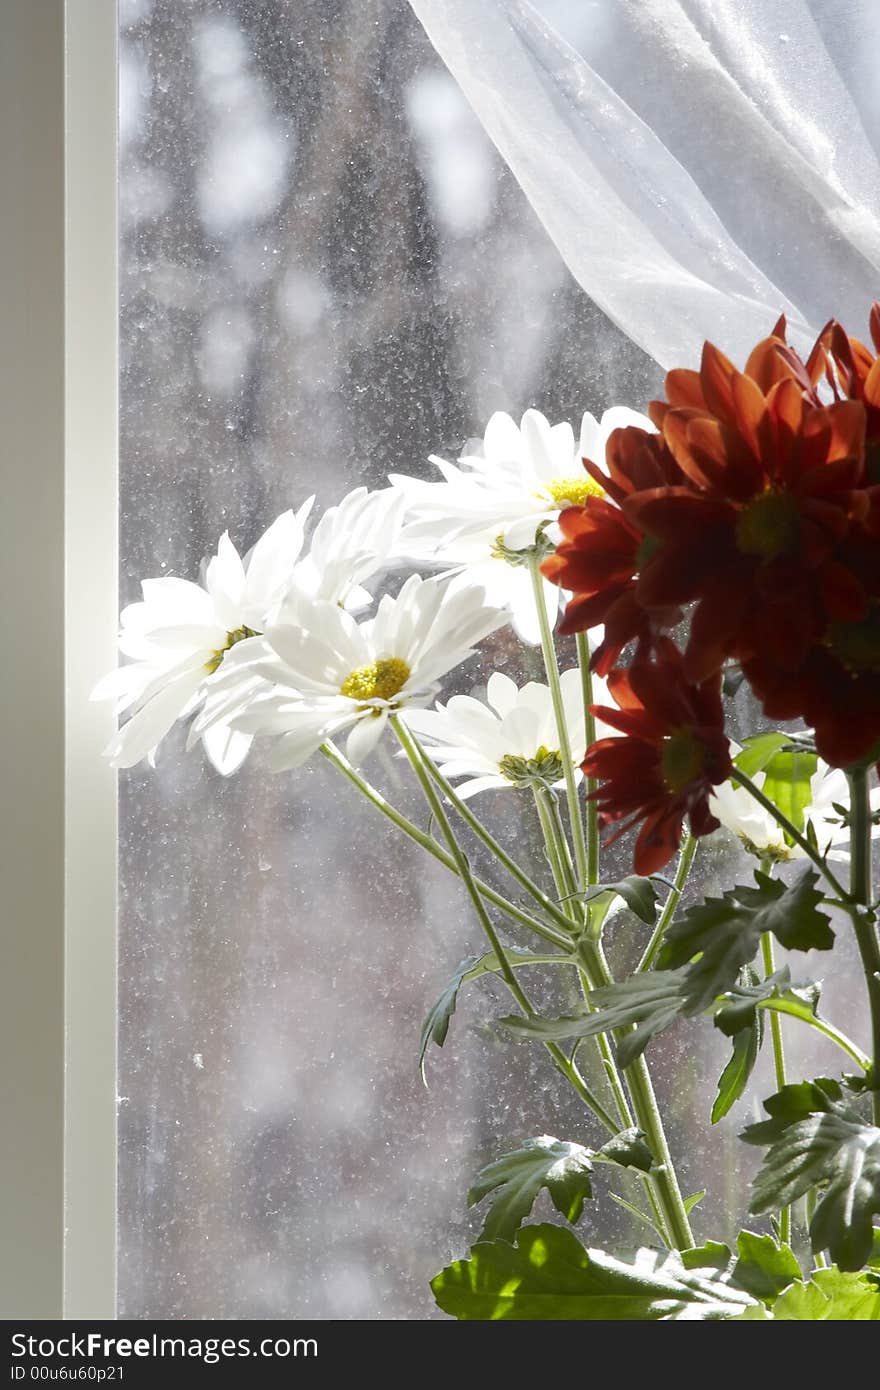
x,y
730,536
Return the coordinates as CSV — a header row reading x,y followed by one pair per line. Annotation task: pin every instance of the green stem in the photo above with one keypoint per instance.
x,y
560,860
648,1116
810,1203
558,855
488,839
563,1063
778,1064
413,832
551,666
853,901
861,894
685,862
821,1025
583,651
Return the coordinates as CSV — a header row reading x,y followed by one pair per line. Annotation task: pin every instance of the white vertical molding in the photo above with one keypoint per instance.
x,y
32,645
91,509
57,624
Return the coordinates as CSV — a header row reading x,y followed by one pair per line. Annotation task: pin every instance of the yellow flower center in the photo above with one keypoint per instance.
x,y
573,492
379,680
768,526
681,760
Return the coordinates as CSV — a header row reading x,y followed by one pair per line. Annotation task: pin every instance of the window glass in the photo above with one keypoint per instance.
x,y
326,275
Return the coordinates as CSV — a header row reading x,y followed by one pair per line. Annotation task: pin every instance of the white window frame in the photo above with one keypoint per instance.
x,y
58,566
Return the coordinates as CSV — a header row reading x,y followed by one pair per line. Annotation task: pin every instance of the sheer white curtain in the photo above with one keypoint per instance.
x,y
702,165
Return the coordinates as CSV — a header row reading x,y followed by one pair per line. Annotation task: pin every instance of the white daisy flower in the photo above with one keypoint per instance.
x,y
511,740
507,491
352,541
739,813
329,674
178,636
830,789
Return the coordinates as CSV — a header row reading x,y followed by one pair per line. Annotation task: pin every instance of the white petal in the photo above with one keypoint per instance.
x,y
520,534
621,417
149,726
226,748
502,439
591,444
270,568
225,581
364,736
501,692
483,784
169,600
296,747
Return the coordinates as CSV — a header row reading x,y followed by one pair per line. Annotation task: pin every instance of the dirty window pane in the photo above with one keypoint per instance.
x,y
326,275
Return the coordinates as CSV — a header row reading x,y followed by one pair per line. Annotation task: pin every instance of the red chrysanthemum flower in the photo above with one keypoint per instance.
x,y
773,482
601,553
675,751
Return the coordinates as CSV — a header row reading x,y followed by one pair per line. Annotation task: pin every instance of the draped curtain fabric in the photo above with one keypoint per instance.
x,y
702,165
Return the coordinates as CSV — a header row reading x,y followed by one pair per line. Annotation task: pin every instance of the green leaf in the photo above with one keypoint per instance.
x,y
787,769
517,1177
742,1002
694,1200
549,1276
830,1296
724,933
713,1254
639,894
815,1139
758,751
764,1268
628,1150
651,1001
733,1080
787,783
436,1025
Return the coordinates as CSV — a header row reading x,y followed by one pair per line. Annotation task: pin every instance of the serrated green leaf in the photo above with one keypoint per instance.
x,y
735,1077
723,933
817,1140
830,1296
737,1007
517,1177
628,1150
793,1102
639,894
436,1025
776,993
548,1276
764,1268
651,1001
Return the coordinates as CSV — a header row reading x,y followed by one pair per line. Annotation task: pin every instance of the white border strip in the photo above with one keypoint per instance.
x,y
32,645
91,510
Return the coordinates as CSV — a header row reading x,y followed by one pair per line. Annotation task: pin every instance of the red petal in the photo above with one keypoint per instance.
x,y
717,374
657,841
